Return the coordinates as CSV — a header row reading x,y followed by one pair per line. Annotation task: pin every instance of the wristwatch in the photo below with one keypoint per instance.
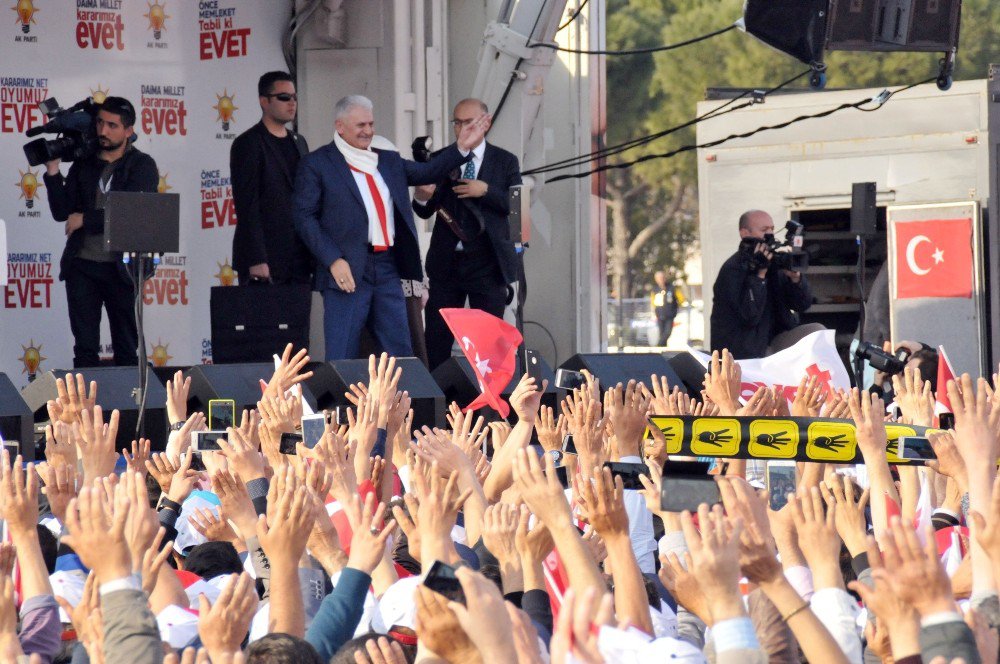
x,y
557,456
176,426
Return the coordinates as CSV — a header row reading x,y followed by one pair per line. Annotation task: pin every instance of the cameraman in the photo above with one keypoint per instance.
x,y
93,276
754,303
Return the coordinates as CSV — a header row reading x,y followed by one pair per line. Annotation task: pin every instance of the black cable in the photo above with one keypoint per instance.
x,y
555,348
573,17
613,150
636,51
643,140
711,144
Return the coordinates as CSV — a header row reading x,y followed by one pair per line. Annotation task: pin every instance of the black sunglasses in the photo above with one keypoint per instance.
x,y
284,96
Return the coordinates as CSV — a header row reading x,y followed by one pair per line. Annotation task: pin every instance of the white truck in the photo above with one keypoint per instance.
x,y
932,155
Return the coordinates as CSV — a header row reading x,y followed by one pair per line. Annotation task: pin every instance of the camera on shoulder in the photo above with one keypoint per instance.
x,y
784,255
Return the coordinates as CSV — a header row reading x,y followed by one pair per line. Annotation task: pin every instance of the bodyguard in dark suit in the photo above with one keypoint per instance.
x,y
471,256
262,164
351,207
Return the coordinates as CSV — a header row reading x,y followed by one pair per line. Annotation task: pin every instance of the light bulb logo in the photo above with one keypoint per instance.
x,y
25,14
31,357
226,275
163,185
225,108
160,355
29,186
99,95
157,17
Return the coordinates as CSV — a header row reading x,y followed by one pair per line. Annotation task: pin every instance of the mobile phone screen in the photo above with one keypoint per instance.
x,y
221,414
206,441
916,447
687,484
313,427
629,472
780,483
569,380
288,443
946,420
569,447
442,580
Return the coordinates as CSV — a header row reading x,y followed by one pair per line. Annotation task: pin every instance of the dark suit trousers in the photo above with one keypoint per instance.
x,y
479,282
91,285
377,302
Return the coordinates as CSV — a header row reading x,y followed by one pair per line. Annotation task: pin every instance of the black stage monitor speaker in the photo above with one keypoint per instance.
x,y
689,370
330,382
116,389
893,25
16,420
239,382
458,381
863,209
795,27
613,368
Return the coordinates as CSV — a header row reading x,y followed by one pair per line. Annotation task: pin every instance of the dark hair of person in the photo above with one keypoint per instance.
x,y
927,365
265,85
280,648
213,559
346,653
121,107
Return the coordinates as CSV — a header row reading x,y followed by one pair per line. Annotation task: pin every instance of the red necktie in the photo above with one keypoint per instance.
x,y
379,209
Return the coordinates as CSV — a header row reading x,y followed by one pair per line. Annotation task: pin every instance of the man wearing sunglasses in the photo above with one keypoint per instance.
x,y
262,164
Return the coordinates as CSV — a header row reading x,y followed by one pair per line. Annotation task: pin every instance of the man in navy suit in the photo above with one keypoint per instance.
x,y
471,255
351,208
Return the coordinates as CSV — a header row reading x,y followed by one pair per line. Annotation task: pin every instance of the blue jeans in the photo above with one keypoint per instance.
x,y
378,302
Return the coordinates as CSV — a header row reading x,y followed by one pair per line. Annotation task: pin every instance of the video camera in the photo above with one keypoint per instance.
x,y
880,360
786,255
77,140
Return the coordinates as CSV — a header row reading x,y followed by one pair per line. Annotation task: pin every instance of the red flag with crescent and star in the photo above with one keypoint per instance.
x,y
490,344
934,258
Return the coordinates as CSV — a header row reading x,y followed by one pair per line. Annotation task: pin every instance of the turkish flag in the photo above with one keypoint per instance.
x,y
490,344
934,258
944,374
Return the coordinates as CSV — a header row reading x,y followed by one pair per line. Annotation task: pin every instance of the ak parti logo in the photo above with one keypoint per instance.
x,y
160,355
225,108
99,95
26,11
31,358
157,16
29,186
226,274
163,186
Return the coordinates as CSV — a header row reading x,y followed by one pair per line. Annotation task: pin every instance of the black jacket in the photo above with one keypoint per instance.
x,y
77,192
747,312
262,194
500,171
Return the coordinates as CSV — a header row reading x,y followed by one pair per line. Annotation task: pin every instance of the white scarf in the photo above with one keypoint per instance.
x,y
365,161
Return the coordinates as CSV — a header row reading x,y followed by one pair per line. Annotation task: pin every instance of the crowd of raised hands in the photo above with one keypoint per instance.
x,y
484,542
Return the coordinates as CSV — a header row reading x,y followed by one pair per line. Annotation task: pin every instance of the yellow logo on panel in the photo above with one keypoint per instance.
x,y
774,439
831,441
715,437
672,429
893,433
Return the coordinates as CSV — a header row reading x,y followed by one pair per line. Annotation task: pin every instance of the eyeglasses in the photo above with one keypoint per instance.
x,y
284,96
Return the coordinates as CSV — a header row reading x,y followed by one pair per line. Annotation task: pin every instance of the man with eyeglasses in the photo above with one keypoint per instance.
x,y
471,256
262,164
